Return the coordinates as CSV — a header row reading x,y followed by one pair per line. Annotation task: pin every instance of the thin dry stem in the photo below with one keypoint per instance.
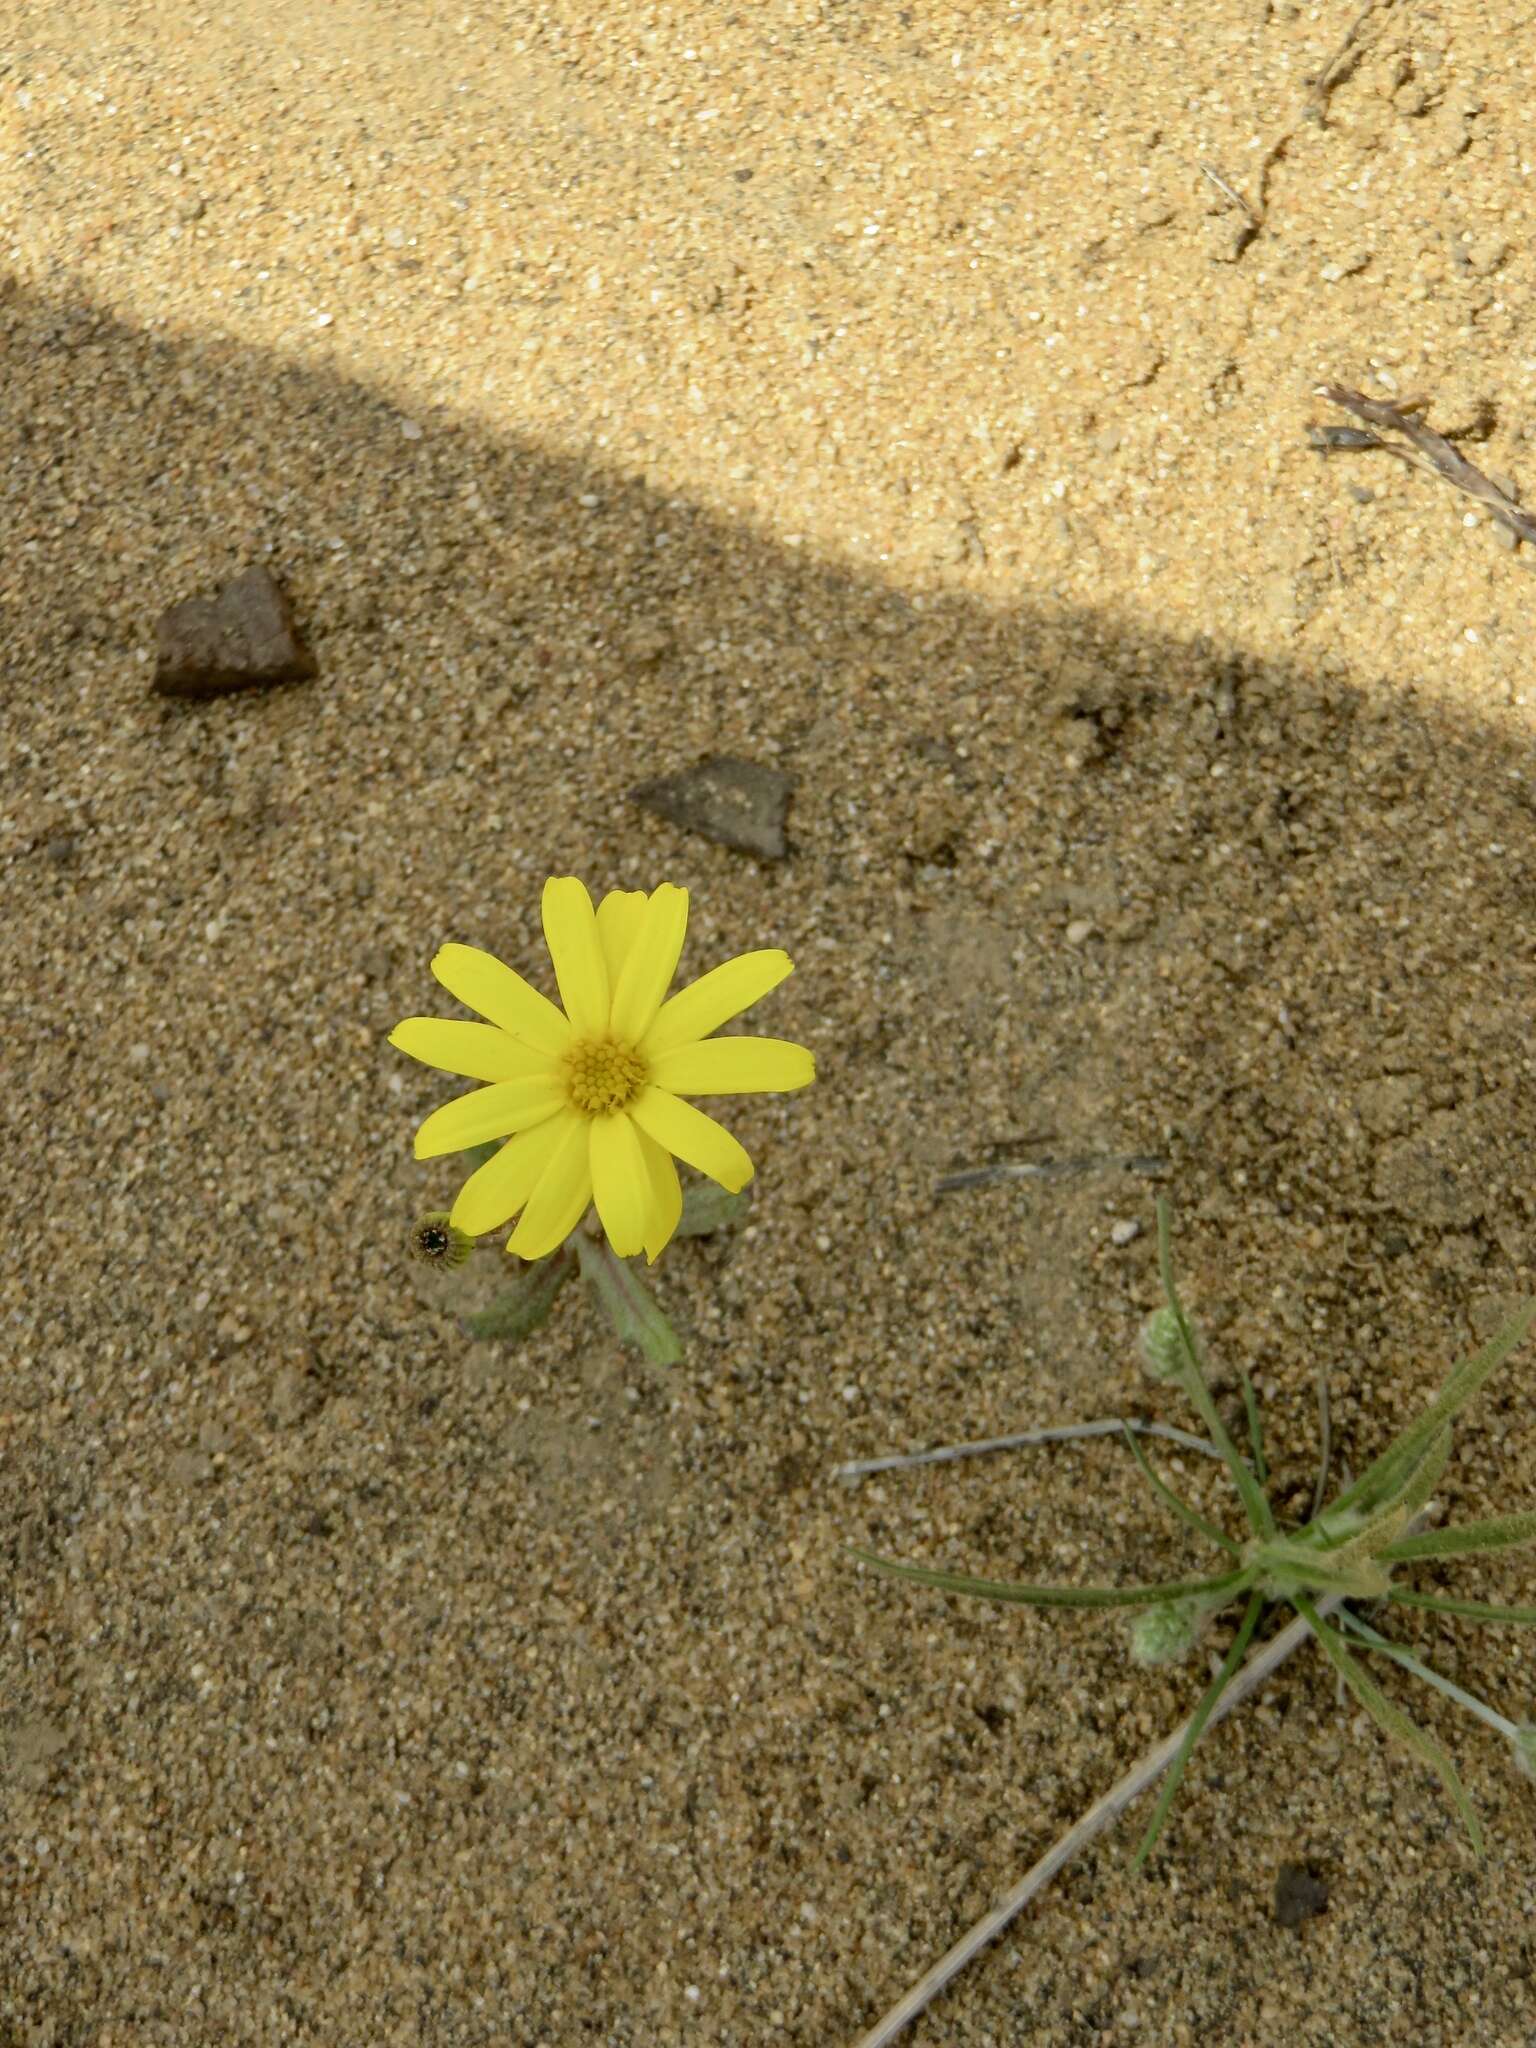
x,y
1065,1433
1101,1815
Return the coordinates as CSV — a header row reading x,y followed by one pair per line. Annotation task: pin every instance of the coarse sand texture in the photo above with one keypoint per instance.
x,y
906,419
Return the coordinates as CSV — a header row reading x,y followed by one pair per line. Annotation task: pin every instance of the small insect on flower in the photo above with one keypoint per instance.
x,y
590,1098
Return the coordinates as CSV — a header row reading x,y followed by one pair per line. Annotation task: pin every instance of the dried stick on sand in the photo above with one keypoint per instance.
x,y
1026,1439
1260,1666
1434,453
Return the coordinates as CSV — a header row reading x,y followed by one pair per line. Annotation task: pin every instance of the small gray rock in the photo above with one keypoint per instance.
x,y
735,803
241,639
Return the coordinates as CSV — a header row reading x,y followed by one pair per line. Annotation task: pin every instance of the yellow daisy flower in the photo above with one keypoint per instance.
x,y
591,1098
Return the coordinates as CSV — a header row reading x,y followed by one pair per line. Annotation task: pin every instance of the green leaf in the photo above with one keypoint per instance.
x,y
1374,1536
1507,1532
632,1311
1390,1719
1052,1596
1382,1479
1366,1544
1470,1610
708,1208
1255,1430
1425,1476
1196,1728
1424,1673
523,1306
1186,1514
1255,1505
1282,1576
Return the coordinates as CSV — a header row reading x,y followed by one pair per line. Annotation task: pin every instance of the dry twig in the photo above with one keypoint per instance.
x,y
1260,1666
1063,1433
1049,1169
1426,450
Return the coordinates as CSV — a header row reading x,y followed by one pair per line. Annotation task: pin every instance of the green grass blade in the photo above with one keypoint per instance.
x,y
1255,1430
1191,1517
1360,1548
1381,1479
1324,1442
1364,1582
1052,1596
1389,1521
1255,1506
1426,1475
1392,1721
1506,1532
1196,1728
1470,1610
1426,1674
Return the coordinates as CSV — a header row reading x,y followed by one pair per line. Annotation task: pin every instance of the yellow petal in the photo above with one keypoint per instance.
x,y
618,919
734,1066
479,1051
650,963
621,1184
666,1196
485,1113
723,993
496,1191
692,1136
559,1200
570,931
482,983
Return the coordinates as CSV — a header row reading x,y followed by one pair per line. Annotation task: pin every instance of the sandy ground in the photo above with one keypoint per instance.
x,y
883,394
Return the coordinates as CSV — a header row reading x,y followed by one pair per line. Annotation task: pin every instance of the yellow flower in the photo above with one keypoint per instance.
x,y
590,1098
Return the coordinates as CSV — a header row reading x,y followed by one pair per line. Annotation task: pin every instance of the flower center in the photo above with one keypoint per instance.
x,y
603,1076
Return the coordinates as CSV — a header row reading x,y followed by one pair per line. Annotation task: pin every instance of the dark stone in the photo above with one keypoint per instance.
x,y
735,803
241,639
1298,1895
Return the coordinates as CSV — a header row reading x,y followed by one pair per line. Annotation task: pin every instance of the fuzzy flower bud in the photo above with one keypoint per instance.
x,y
1162,1345
1165,1633
1523,1742
437,1242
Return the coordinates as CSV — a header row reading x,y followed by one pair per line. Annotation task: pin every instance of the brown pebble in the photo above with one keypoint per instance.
x,y
242,638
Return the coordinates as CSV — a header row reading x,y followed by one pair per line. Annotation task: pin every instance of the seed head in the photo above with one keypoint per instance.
x,y
1167,1632
1162,1345
437,1242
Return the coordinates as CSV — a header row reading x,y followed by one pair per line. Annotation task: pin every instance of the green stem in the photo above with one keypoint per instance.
x,y
1507,1533
1470,1610
1490,1716
1196,1728
1054,1596
1186,1514
1255,1430
1389,1718
1255,1506
1376,1482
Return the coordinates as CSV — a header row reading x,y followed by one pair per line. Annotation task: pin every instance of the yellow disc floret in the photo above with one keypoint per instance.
x,y
603,1076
